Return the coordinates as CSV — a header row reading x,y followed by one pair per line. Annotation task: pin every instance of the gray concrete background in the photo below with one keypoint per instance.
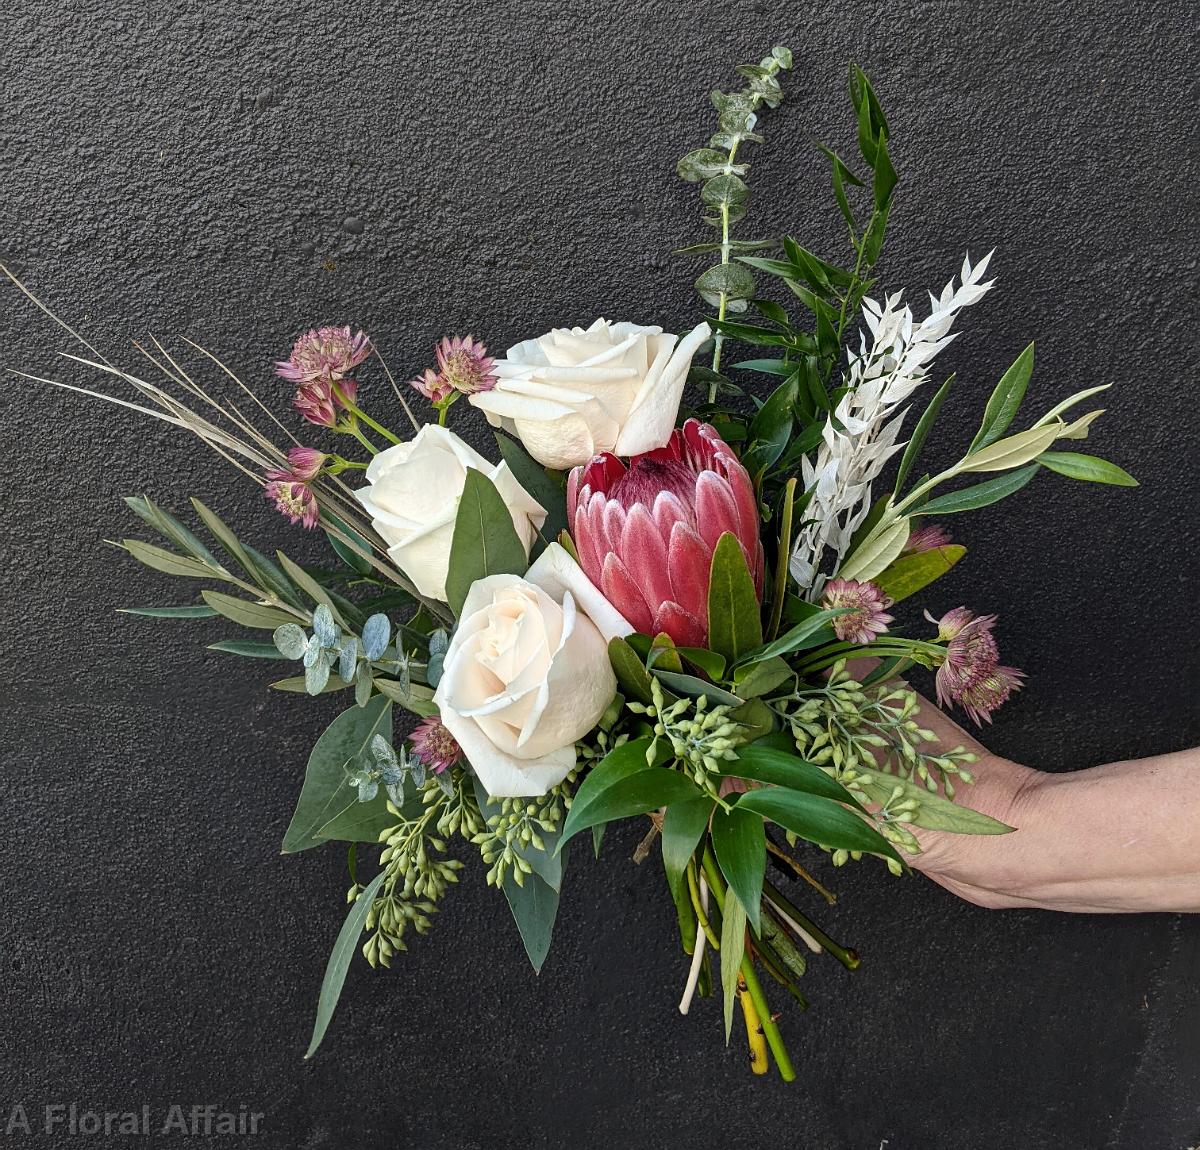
x,y
235,172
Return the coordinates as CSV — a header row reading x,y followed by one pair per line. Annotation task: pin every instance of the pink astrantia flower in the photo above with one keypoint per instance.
x,y
304,465
432,386
971,674
465,365
926,538
295,500
325,353
317,401
987,694
434,745
646,533
866,605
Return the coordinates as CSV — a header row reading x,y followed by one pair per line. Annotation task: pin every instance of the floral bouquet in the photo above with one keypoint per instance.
x,y
666,598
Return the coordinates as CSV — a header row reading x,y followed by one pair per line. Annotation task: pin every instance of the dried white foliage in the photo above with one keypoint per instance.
x,y
862,436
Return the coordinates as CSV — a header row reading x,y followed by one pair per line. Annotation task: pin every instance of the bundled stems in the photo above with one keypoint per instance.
x,y
847,957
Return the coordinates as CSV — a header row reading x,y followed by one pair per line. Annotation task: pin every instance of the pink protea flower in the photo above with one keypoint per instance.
x,y
304,465
646,533
432,386
325,353
434,745
295,500
971,674
926,538
464,365
866,605
987,694
317,401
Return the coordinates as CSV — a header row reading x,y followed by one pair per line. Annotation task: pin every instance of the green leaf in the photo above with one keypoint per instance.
x,y
712,664
339,961
311,588
1011,451
628,666
1089,468
532,476
194,611
534,906
811,631
298,685
725,191
1057,410
683,827
769,366
874,555
906,575
1005,400
732,281
885,174
168,562
621,785
981,494
753,680
416,699
695,688
734,623
247,613
740,844
733,947
224,536
705,163
342,549
170,527
818,820
933,812
248,648
485,541
328,807
913,449
764,763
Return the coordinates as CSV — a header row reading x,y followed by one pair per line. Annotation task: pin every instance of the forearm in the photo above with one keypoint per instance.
x,y
1120,837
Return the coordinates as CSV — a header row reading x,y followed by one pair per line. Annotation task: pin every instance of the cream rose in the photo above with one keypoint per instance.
x,y
527,673
572,393
413,494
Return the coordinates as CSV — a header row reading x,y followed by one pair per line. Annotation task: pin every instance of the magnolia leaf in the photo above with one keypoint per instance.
x,y
1090,468
906,575
1012,451
875,554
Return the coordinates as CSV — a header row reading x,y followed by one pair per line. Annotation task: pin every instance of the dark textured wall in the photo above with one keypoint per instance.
x,y
233,172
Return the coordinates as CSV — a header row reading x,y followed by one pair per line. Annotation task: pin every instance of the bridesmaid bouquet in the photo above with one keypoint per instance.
x,y
659,597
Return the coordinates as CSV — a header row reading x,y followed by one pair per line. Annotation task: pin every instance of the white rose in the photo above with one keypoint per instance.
x,y
527,673
413,496
573,393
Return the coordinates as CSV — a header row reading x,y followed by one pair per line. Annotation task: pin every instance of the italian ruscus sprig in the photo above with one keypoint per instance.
x,y
728,286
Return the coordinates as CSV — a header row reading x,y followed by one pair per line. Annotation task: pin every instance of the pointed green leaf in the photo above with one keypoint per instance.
x,y
734,622
933,812
812,631
1089,468
683,827
632,676
249,614
534,906
818,820
339,961
733,947
875,554
192,611
1005,400
538,483
913,449
763,763
247,648
485,541
740,844
906,575
981,494
169,563
1012,451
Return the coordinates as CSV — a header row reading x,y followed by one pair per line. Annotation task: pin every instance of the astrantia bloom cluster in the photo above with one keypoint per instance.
x,y
464,368
295,500
927,537
646,533
321,401
971,675
864,604
435,746
324,353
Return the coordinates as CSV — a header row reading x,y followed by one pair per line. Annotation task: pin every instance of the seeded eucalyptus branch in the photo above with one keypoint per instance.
x,y
728,286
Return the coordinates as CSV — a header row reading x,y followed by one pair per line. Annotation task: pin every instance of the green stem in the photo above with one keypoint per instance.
x,y
847,957
354,409
697,906
851,651
353,429
761,1005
